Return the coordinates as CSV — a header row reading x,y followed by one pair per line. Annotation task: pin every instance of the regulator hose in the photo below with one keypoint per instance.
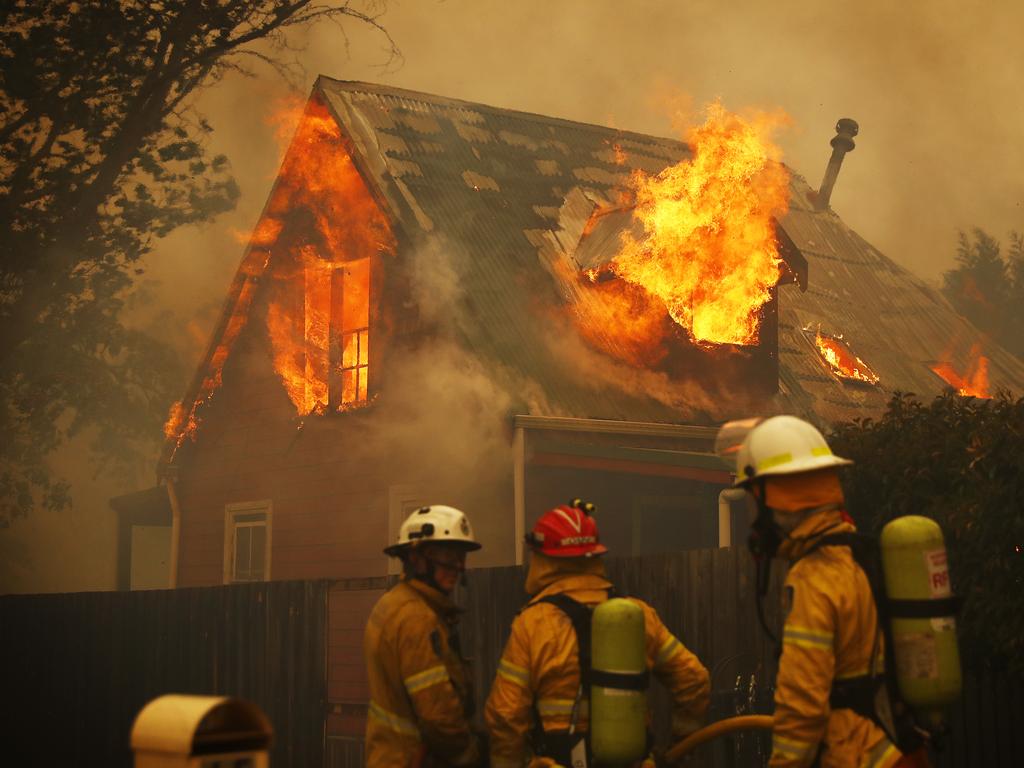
x,y
713,731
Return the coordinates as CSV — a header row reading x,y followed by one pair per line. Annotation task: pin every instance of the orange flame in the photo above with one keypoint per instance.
x,y
172,427
708,253
328,228
324,228
841,359
975,382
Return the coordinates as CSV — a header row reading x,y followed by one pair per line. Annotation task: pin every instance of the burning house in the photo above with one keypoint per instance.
x,y
445,301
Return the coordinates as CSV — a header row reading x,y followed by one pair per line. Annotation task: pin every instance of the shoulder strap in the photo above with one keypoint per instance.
x,y
579,615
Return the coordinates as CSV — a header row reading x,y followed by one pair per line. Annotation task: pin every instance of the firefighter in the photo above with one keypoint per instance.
x,y
832,644
538,681
420,691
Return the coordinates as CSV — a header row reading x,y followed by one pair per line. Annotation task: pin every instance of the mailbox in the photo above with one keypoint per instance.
x,y
178,731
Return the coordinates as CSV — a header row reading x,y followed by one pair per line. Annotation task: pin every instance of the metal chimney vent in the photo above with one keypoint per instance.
x,y
842,143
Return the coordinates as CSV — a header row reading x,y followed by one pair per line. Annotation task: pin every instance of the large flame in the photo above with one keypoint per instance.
x,y
708,253
318,321
974,383
841,359
320,233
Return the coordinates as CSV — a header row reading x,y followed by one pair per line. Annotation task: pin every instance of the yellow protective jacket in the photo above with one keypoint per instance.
x,y
830,633
540,665
420,693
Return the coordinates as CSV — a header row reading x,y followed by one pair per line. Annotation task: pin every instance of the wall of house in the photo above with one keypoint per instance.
x,y
338,484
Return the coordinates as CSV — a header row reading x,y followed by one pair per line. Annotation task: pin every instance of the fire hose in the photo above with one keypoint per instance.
x,y
713,731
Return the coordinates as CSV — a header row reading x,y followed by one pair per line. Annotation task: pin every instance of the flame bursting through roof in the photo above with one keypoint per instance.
x,y
708,253
974,383
841,359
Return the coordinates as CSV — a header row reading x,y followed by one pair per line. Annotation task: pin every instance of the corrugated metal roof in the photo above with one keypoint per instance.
x,y
504,189
494,180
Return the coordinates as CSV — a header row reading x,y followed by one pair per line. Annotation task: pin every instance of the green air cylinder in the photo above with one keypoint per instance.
x,y
618,696
926,650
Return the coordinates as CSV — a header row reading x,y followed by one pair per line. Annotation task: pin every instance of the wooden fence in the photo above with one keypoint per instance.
x,y
77,668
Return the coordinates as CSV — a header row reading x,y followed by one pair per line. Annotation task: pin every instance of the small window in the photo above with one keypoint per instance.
x,y
247,542
355,331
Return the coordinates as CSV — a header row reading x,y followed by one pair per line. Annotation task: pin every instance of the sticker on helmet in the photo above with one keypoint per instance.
x,y
464,526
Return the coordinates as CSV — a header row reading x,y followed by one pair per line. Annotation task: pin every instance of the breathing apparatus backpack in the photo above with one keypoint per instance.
x,y
613,680
908,573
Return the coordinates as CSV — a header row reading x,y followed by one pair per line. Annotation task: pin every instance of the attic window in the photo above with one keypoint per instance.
x,y
354,332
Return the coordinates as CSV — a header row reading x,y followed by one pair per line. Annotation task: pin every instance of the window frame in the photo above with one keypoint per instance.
x,y
231,525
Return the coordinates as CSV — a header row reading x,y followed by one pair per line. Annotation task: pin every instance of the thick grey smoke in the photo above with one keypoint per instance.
x,y
933,85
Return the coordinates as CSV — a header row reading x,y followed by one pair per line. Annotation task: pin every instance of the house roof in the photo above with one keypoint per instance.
x,y
500,192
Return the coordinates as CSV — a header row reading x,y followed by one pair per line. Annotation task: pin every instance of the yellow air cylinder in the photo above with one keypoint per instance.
x,y
927,654
618,699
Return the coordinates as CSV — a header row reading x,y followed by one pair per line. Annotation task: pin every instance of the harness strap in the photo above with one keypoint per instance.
x,y
623,681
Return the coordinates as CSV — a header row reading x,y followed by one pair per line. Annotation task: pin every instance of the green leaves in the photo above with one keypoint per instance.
x,y
959,461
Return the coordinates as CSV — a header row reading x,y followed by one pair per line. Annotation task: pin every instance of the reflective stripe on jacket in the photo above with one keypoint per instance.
x,y
539,666
830,633
419,684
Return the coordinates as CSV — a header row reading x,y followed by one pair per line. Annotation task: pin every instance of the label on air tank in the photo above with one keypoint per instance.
x,y
916,655
938,585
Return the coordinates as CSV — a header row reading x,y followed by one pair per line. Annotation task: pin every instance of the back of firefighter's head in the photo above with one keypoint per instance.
x,y
567,532
432,545
787,466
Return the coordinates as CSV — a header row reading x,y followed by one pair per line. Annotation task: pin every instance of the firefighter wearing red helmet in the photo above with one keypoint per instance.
x,y
538,680
420,686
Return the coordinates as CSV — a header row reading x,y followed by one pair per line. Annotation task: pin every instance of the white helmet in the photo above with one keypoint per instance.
x,y
436,523
783,445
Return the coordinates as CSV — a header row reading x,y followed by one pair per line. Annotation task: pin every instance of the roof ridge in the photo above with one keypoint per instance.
x,y
448,101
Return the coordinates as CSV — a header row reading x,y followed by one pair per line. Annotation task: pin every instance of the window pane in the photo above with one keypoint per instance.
x,y
243,543
364,348
251,517
350,350
259,552
362,382
349,380
355,305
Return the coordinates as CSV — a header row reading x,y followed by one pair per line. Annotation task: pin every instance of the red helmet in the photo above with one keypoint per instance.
x,y
567,531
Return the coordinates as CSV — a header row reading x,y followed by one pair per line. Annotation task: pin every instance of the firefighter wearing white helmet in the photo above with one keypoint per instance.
x,y
420,686
831,633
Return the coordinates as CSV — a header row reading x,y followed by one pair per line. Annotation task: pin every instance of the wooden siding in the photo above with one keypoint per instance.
x,y
253,446
77,668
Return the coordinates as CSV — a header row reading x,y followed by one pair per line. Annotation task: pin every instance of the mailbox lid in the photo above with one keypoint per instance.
x,y
182,724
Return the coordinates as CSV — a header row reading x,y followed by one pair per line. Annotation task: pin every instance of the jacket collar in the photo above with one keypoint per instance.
x,y
435,598
575,582
811,529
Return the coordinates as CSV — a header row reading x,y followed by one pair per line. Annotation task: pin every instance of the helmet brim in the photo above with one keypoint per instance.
x,y
396,550
809,464
582,551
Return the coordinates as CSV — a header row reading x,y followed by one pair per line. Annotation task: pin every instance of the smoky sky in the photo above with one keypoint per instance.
x,y
935,86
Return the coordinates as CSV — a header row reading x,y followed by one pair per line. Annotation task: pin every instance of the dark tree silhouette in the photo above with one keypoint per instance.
x,y
987,287
103,151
